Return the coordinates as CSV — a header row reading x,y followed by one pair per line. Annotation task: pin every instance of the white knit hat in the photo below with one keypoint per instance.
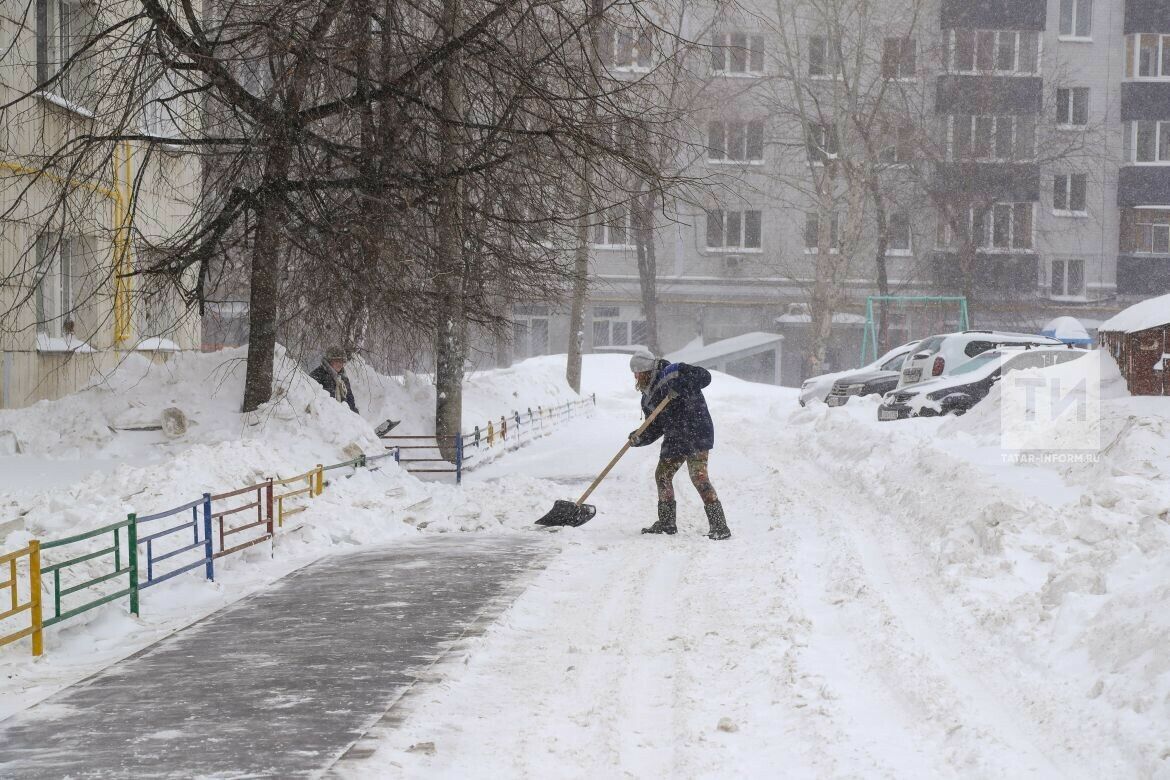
x,y
643,360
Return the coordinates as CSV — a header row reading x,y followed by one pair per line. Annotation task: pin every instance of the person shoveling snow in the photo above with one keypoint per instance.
x,y
687,434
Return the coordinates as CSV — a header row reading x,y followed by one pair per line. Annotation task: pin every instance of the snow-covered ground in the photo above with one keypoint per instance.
x,y
896,601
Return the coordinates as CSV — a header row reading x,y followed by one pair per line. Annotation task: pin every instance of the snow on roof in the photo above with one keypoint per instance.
x,y
1140,316
747,342
1067,329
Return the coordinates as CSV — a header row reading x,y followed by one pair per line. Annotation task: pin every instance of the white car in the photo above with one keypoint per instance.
x,y
971,382
817,388
940,355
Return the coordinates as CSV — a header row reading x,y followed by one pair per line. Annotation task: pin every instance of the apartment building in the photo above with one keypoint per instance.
x,y
1031,173
76,218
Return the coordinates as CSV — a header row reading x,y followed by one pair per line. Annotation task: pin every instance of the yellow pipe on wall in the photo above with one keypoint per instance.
x,y
119,196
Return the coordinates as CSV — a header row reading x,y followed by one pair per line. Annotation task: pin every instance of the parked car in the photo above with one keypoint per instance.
x,y
818,387
940,355
970,383
862,382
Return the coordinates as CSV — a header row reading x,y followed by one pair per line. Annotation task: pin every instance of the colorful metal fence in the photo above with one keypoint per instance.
x,y
237,520
11,561
200,527
314,483
122,546
261,501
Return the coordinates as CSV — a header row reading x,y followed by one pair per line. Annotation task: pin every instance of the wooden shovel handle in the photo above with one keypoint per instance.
x,y
622,451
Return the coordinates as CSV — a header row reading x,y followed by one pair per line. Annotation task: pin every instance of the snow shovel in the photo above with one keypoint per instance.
x,y
580,513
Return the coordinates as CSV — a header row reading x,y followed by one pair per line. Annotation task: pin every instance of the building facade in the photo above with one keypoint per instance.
x,y
1022,149
74,225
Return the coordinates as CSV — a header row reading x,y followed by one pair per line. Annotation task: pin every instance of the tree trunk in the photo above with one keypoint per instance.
x,y
647,266
450,342
883,279
580,286
585,204
264,282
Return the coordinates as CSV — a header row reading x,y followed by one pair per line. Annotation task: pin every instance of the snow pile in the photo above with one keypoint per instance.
x,y
1062,564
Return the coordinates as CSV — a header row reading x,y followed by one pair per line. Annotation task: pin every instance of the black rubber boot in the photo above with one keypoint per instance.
x,y
666,517
717,521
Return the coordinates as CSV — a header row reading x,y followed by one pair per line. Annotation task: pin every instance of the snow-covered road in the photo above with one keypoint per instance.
x,y
819,642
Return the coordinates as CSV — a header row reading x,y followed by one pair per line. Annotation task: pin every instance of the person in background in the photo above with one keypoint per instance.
x,y
687,434
331,375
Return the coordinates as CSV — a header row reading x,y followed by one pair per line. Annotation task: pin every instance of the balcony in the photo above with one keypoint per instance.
x,y
1147,16
1145,100
1143,275
1142,185
1013,275
1007,182
988,94
996,14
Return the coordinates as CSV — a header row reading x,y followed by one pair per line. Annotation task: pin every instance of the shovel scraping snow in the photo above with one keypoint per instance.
x,y
580,513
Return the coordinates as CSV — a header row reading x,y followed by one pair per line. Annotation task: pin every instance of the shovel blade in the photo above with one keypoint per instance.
x,y
568,513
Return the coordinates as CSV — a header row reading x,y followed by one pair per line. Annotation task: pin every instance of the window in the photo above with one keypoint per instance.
x,y
614,230
615,332
901,148
899,58
1076,18
1147,56
993,138
1147,142
1011,52
1067,278
54,291
899,233
1145,231
736,141
1072,106
812,228
737,52
1004,227
627,48
821,140
1068,193
162,105
63,30
822,61
733,230
606,311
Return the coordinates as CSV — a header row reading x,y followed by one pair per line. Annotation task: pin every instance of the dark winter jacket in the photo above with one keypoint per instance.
x,y
329,380
685,424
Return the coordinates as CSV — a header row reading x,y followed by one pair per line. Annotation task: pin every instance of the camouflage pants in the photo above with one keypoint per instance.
x,y
696,467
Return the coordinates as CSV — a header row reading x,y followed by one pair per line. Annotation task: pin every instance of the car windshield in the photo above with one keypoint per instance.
x,y
978,362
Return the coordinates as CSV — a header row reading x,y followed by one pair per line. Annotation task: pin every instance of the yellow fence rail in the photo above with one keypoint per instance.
x,y
314,484
11,562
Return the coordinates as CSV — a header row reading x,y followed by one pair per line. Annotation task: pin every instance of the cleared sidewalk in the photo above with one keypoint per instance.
x,y
282,683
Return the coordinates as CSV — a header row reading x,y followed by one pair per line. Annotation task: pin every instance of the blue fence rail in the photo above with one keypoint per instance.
x,y
200,521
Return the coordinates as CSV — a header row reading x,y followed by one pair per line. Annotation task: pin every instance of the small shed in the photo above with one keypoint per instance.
x,y
752,356
1138,338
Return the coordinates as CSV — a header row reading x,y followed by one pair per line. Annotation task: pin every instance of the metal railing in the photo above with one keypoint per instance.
x,y
33,606
314,480
116,550
262,503
200,521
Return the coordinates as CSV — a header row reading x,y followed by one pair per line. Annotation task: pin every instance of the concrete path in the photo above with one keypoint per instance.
x,y
281,684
